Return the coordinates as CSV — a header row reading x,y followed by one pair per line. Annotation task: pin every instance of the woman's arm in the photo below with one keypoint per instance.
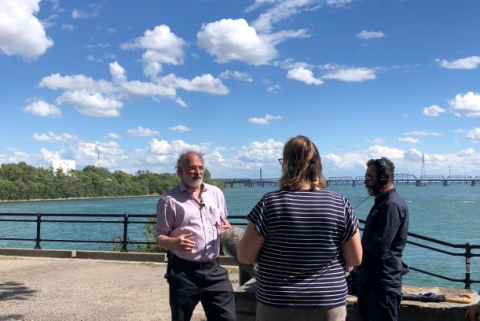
x,y
249,246
352,250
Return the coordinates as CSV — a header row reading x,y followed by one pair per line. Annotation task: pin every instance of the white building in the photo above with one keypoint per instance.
x,y
65,165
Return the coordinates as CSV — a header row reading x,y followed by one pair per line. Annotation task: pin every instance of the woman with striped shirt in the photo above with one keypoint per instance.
x,y
302,237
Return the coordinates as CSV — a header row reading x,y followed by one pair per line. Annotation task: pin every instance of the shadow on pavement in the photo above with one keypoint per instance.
x,y
14,290
11,317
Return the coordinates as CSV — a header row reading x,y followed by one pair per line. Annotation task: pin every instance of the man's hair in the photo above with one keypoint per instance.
x,y
183,157
389,167
301,164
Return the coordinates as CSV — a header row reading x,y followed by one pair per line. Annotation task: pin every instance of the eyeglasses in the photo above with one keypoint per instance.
x,y
280,160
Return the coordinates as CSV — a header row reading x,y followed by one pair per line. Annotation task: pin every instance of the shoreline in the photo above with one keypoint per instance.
x,y
75,198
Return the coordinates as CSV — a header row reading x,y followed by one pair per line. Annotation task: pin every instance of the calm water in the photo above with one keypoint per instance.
x,y
450,214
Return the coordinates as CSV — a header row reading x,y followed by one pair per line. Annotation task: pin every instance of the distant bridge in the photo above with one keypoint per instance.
x,y
399,179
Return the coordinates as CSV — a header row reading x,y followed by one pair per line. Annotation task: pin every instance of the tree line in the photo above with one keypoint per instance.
x,y
24,182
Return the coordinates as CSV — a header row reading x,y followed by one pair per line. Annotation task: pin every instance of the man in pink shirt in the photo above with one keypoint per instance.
x,y
190,219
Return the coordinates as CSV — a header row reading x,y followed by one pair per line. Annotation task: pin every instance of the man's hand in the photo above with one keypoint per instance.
x,y
183,243
225,226
473,313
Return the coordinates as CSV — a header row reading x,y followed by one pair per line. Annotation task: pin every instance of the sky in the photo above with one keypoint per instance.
x,y
129,85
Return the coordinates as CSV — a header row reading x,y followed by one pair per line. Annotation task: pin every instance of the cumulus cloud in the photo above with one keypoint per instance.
x,y
469,152
76,82
141,131
264,120
51,137
162,47
21,33
471,62
174,148
113,136
364,34
271,87
260,151
91,104
237,75
377,141
351,74
408,140
43,109
467,104
474,135
422,133
433,111
230,40
205,83
179,129
304,75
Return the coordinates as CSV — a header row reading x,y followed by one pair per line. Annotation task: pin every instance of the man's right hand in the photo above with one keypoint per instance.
x,y
473,312
183,243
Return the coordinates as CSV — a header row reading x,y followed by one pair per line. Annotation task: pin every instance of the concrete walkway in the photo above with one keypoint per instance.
x,y
52,289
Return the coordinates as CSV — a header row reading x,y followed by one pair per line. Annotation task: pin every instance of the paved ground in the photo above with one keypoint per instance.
x,y
50,289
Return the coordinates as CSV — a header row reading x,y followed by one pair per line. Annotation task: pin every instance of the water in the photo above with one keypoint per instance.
x,y
450,214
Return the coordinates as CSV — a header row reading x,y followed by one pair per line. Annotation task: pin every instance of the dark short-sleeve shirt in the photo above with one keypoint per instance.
x,y
383,241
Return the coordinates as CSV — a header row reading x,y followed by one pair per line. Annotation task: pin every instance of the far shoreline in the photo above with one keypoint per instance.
x,y
77,198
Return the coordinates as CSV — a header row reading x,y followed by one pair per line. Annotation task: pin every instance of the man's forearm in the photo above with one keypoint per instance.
x,y
166,242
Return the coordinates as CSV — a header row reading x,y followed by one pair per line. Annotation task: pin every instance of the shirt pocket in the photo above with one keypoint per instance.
x,y
213,215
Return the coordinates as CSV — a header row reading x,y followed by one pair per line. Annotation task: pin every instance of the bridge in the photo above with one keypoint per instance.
x,y
399,179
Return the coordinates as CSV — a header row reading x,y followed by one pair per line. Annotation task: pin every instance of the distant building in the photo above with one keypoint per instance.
x,y
65,165
141,171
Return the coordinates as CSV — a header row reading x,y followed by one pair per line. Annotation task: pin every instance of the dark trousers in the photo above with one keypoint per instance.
x,y
376,303
211,287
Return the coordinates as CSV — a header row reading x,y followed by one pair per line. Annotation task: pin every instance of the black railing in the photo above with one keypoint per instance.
x,y
238,220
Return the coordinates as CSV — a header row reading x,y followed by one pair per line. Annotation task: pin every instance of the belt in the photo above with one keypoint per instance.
x,y
177,261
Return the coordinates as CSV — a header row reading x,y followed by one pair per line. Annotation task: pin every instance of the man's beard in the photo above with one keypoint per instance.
x,y
195,181
374,190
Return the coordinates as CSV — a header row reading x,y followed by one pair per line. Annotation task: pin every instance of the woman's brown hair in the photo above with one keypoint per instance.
x,y
301,165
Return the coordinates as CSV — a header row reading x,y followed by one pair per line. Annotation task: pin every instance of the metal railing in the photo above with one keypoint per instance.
x,y
238,220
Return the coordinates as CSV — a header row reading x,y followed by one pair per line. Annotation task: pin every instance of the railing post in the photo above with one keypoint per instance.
x,y
468,255
37,240
125,233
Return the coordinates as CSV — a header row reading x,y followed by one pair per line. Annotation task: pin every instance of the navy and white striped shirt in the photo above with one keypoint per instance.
x,y
300,263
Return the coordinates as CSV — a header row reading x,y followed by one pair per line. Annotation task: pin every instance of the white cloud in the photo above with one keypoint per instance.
x,y
468,104
93,59
304,75
422,133
351,74
94,11
264,120
271,87
433,111
237,75
51,137
179,129
205,83
230,40
175,148
408,140
113,136
471,62
162,46
459,130
280,11
43,109
290,63
469,152
21,33
364,34
338,3
67,27
76,82
260,151
141,131
148,89
91,104
117,72
474,135
377,141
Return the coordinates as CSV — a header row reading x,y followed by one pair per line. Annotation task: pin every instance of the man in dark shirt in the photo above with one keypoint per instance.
x,y
383,241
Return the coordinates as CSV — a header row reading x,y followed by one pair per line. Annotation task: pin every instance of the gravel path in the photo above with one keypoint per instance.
x,y
43,289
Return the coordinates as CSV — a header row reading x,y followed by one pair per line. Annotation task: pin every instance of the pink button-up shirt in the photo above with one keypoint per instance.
x,y
178,212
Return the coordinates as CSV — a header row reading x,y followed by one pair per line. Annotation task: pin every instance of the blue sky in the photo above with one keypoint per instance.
x,y
140,81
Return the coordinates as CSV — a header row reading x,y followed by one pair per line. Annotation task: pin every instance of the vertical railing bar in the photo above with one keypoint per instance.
x,y
38,238
125,233
468,255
